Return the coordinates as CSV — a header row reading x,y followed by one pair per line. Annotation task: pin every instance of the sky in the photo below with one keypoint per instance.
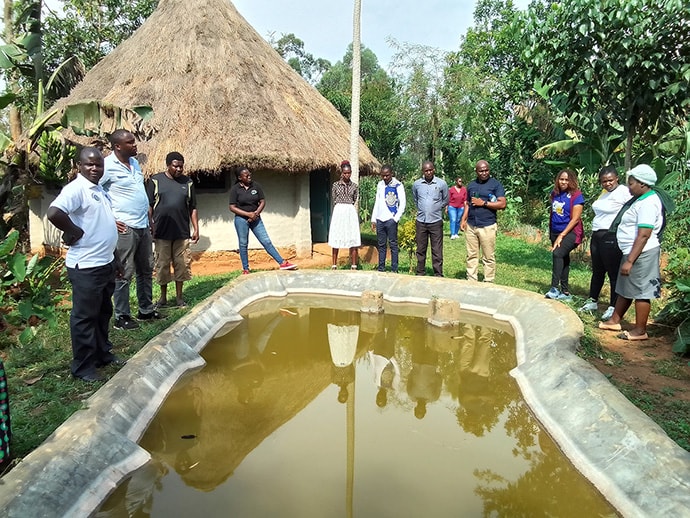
x,y
325,26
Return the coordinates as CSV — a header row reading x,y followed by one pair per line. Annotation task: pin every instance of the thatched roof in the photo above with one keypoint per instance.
x,y
221,95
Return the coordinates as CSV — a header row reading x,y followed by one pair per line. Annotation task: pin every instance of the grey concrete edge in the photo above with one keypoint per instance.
x,y
618,448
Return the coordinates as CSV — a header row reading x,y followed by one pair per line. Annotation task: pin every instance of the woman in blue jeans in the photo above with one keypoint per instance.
x,y
247,201
456,206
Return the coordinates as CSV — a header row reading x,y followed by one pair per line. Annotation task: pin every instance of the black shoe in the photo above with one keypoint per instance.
x,y
90,378
125,323
149,316
115,360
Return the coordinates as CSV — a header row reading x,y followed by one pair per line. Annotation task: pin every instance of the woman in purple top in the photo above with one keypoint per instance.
x,y
565,231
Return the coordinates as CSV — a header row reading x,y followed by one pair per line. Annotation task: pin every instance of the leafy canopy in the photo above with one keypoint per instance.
x,y
621,65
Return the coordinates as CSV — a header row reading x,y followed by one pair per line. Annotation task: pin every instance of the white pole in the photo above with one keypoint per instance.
x,y
356,86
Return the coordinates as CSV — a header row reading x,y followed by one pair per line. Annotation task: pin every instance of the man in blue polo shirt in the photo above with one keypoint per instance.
x,y
485,197
123,181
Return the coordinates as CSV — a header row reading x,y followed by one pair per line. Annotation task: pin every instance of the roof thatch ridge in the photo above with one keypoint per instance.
x,y
221,94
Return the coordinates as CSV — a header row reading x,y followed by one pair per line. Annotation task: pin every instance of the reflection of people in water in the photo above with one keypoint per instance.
x,y
342,342
247,371
385,366
477,412
343,377
134,497
424,381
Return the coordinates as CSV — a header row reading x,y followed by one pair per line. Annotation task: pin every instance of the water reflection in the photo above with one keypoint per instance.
x,y
436,421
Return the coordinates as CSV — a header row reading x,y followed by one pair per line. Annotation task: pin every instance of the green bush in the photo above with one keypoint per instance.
x,y
26,296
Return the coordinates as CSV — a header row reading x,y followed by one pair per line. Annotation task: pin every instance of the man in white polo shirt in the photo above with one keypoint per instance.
x,y
82,211
123,181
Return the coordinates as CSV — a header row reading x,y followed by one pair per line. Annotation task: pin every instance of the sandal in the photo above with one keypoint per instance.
x,y
625,335
610,327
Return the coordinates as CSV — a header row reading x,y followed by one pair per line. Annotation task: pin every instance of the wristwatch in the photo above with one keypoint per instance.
x,y
486,203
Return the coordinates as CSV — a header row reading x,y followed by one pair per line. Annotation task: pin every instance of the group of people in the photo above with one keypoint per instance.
x,y
625,243
472,209
110,218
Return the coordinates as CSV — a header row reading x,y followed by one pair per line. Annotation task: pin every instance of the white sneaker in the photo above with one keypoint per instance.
x,y
608,313
553,294
589,305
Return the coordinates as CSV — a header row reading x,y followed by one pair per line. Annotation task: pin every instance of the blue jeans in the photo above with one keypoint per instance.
x,y
387,231
135,250
455,215
242,226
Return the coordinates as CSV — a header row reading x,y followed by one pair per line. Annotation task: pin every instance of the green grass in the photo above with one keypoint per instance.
x,y
671,368
43,393
672,415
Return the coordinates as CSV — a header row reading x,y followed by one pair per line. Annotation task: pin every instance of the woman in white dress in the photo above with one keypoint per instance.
x,y
344,230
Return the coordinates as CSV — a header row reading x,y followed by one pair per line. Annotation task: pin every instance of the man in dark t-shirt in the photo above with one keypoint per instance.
x,y
485,197
172,207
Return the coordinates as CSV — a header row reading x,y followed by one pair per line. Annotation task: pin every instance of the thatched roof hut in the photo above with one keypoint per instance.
x,y
221,95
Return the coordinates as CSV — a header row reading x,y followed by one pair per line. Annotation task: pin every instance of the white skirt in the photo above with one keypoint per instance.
x,y
344,231
342,341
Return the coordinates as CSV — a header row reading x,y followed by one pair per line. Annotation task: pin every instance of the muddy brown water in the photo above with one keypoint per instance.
x,y
306,411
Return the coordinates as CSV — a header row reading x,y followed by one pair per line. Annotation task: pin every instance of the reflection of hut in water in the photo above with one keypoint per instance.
x,y
284,376
228,430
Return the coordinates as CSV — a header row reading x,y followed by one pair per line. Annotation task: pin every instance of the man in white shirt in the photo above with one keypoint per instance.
x,y
389,207
123,181
82,211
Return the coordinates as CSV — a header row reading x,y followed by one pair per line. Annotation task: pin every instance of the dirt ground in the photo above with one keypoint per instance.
x,y
649,365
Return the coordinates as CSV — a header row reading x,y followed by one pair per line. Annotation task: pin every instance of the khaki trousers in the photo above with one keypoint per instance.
x,y
484,238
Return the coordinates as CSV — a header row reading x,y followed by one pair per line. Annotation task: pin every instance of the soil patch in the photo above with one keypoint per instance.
x,y
648,365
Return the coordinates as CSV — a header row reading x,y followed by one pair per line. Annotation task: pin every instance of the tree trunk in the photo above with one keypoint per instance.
x,y
14,115
628,149
356,89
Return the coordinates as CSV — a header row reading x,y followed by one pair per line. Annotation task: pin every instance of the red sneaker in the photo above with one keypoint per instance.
x,y
245,272
285,265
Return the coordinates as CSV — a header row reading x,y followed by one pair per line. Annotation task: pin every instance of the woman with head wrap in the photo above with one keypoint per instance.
x,y
638,227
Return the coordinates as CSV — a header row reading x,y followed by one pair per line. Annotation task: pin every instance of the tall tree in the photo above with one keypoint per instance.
x,y
380,120
614,65
485,80
90,29
418,71
292,50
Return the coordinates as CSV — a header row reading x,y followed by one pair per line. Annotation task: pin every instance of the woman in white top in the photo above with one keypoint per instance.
x,y
606,256
639,278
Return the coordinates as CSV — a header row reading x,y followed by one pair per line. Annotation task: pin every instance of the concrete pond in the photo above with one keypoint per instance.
x,y
625,455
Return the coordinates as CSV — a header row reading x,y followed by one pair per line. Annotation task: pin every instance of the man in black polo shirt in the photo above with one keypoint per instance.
x,y
172,206
247,201
485,197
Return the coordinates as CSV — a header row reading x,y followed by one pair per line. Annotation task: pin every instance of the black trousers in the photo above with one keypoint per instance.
x,y
606,260
425,233
92,307
560,272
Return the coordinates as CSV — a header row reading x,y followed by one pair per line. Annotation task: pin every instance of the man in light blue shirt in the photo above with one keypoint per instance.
x,y
431,197
123,181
